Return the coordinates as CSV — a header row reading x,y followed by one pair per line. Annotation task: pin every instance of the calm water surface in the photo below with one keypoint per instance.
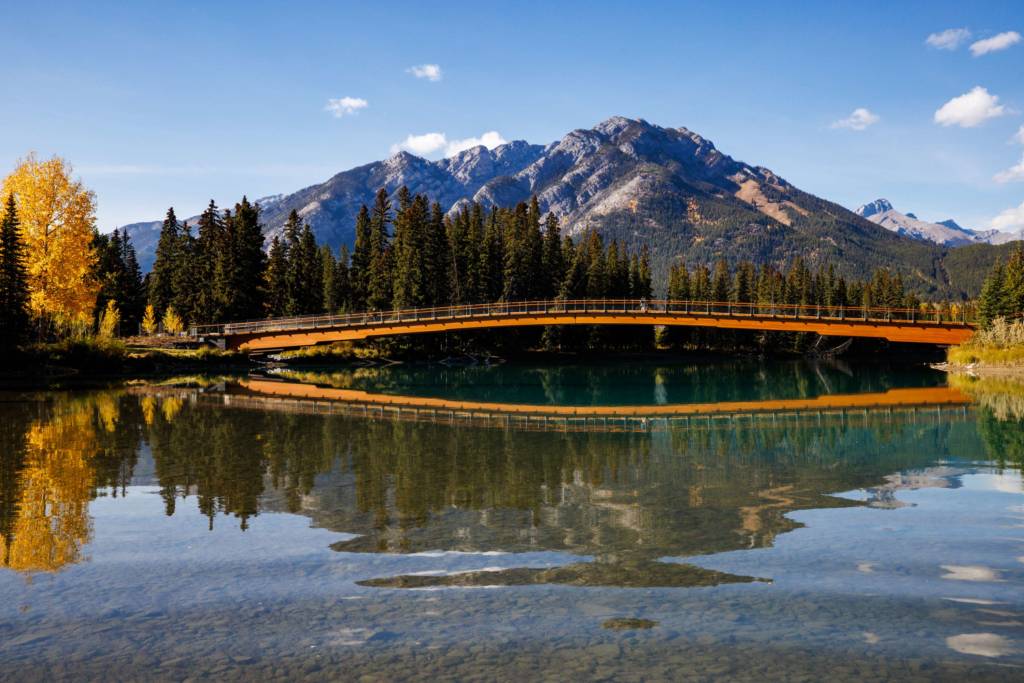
x,y
412,523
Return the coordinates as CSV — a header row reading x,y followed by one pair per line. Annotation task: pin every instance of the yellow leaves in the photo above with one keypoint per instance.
x,y
110,320
173,324
149,320
53,522
57,216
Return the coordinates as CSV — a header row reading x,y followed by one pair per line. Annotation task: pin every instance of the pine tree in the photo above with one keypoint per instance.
x,y
379,289
343,280
553,264
14,292
247,295
168,257
359,271
329,279
277,278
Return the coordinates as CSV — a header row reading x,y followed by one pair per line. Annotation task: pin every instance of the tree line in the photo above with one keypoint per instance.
x,y
407,255
1002,292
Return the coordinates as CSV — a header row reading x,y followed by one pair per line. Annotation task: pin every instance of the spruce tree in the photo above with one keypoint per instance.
x,y
379,283
277,278
329,280
168,256
247,295
14,292
359,270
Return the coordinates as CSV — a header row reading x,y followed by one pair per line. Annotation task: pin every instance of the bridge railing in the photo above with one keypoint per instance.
x,y
553,307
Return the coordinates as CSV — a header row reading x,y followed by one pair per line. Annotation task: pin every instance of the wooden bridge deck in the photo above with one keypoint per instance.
x,y
894,324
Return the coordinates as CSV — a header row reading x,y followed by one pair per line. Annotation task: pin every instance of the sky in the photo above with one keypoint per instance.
x,y
160,104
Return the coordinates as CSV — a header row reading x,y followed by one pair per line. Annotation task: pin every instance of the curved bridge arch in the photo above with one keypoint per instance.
x,y
893,324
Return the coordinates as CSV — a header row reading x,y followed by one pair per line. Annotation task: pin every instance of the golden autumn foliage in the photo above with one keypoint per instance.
x,y
53,524
149,325
57,216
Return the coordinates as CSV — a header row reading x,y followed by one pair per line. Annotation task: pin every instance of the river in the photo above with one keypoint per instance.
x,y
648,520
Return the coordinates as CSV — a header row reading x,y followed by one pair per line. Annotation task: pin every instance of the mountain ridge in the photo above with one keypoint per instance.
x,y
668,189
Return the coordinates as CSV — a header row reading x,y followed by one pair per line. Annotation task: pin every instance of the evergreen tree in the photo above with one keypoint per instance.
x,y
168,258
359,271
277,278
247,294
14,292
553,266
329,278
379,283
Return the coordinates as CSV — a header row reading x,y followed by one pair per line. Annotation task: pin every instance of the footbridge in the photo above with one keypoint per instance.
x,y
894,324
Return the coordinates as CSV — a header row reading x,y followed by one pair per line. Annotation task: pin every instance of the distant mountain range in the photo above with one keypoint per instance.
x,y
667,188
947,233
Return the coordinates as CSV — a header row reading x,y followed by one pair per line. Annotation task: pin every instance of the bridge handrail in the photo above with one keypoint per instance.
x,y
555,306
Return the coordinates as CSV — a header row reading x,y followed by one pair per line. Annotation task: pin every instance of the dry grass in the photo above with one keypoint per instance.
x,y
1002,343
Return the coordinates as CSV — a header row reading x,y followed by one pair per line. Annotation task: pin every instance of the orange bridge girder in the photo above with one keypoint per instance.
x,y
893,324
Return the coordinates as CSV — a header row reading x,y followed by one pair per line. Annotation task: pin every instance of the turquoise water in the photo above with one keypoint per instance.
x,y
174,532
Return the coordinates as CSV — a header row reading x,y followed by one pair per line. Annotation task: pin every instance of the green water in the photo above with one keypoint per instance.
x,y
163,533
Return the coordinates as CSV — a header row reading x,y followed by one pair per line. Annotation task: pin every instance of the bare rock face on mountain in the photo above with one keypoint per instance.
x,y
947,233
667,189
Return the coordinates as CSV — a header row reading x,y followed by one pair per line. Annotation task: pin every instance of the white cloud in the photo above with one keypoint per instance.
x,y
429,143
431,72
490,140
425,144
1011,220
1019,135
345,105
995,43
859,119
949,39
1011,174
970,109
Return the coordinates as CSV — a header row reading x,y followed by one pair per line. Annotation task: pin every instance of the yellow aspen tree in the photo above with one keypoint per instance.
x,y
110,320
173,324
149,320
57,217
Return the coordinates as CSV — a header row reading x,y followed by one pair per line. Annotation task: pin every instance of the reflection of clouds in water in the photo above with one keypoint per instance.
x,y
870,638
981,644
963,572
974,601
866,567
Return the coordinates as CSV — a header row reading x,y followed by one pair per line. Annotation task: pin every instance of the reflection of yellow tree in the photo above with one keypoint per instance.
x,y
52,523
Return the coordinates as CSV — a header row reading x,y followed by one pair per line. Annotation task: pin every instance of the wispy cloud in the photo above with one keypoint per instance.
x,y
950,39
1011,220
1019,135
431,72
970,109
859,119
1011,174
431,143
344,106
996,43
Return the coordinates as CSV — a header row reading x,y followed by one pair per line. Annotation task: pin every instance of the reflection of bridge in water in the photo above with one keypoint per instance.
x,y
908,325
914,403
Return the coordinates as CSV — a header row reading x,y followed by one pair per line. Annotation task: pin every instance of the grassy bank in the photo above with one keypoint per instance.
x,y
1001,345
47,363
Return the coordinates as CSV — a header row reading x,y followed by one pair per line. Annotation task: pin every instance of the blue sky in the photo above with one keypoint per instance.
x,y
166,103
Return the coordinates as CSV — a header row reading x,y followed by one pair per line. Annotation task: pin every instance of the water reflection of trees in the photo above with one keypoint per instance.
x,y
624,498
57,455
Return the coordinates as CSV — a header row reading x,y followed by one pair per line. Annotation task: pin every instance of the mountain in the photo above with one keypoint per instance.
x,y
668,189
946,233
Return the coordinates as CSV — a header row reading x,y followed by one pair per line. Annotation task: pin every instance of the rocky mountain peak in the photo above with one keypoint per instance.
x,y
872,208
